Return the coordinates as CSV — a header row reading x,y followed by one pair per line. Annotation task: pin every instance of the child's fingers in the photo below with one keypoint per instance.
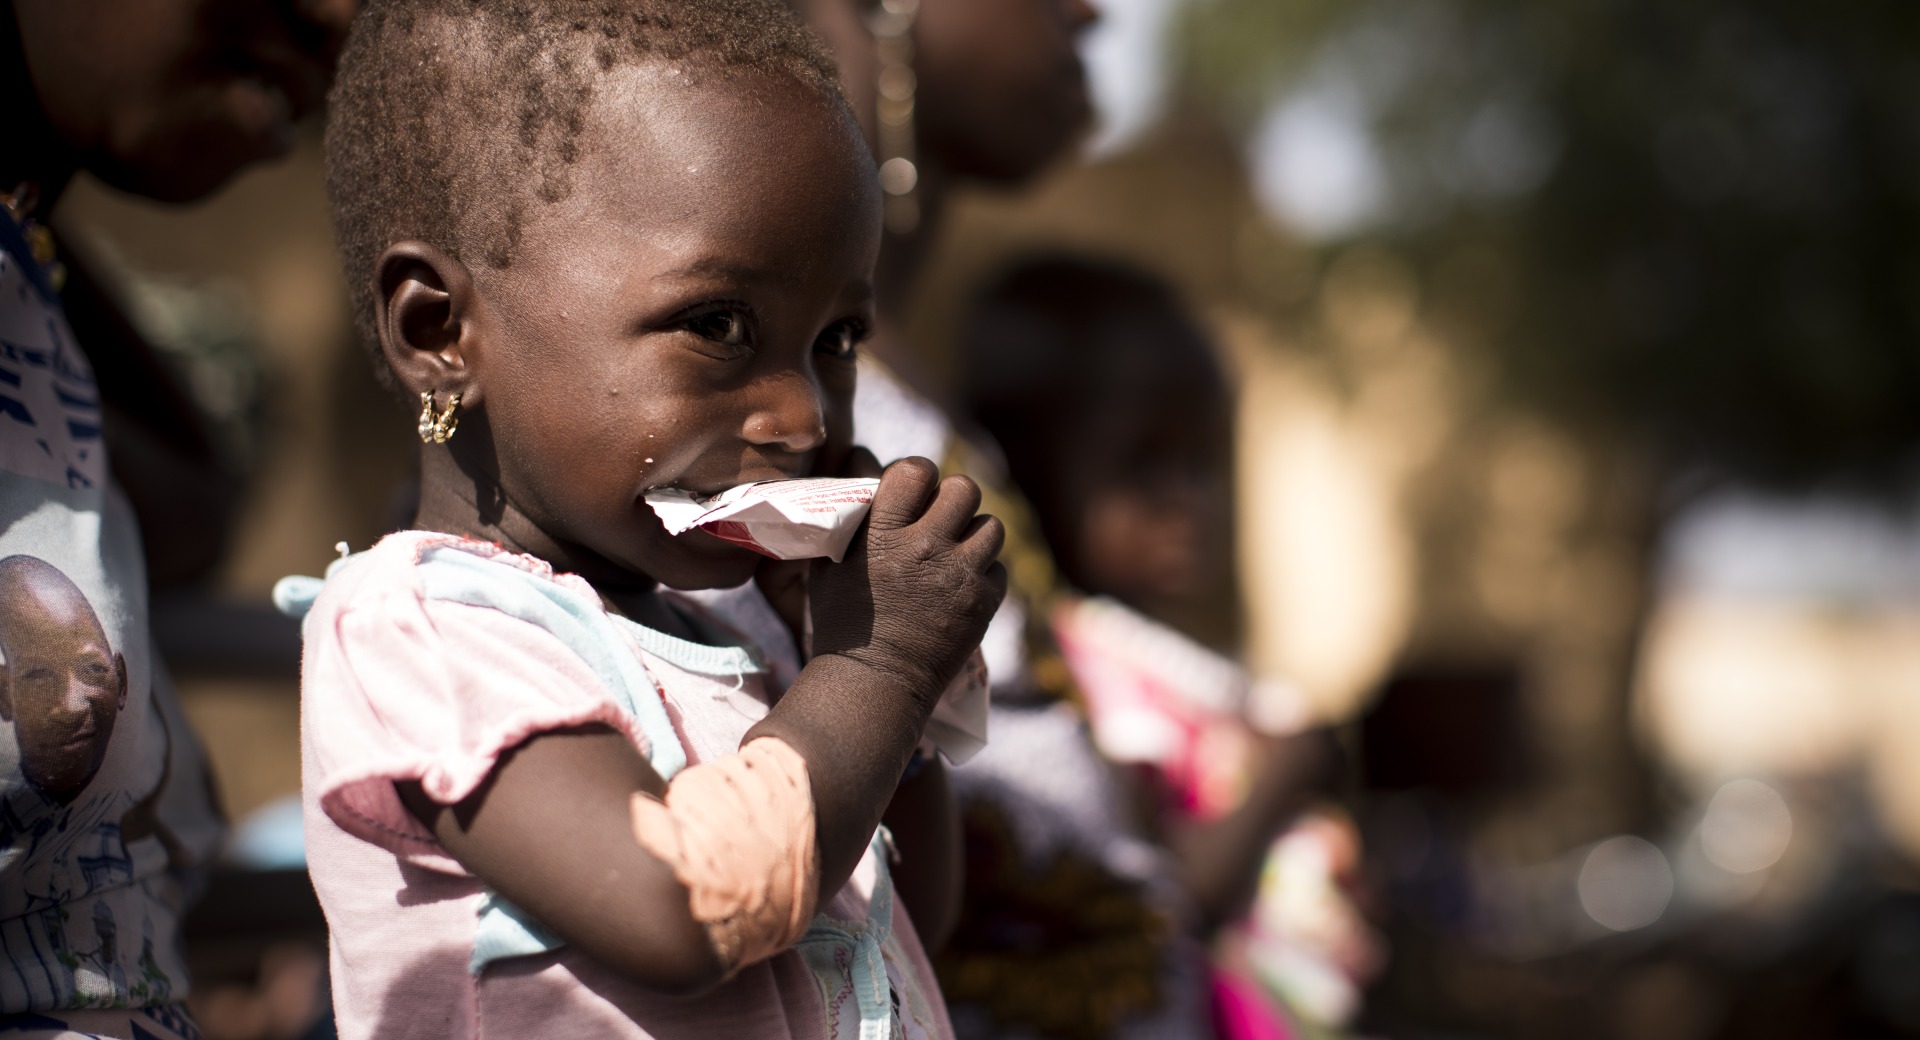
x,y
953,507
982,541
902,495
996,578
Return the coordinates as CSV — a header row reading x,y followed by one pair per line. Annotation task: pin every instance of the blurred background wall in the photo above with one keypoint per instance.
x,y
1576,349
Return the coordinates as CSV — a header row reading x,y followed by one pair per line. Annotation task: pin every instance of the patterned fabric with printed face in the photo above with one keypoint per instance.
x,y
104,800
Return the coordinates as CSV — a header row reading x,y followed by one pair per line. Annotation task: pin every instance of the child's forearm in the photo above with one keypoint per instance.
x,y
856,727
926,831
892,624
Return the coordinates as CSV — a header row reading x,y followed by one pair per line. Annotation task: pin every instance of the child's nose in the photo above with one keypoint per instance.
x,y
77,699
792,417
1079,14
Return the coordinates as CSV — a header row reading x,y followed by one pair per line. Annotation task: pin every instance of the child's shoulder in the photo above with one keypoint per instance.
x,y
431,565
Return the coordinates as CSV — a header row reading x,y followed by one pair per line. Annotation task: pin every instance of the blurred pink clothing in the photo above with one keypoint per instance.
x,y
405,680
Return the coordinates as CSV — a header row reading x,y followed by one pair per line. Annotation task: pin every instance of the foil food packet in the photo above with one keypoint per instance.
x,y
785,519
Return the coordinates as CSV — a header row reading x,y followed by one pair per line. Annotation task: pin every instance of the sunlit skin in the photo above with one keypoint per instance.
x,y
62,686
686,317
168,98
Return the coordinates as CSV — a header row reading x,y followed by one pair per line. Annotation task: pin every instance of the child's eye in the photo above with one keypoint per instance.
x,y
840,339
727,328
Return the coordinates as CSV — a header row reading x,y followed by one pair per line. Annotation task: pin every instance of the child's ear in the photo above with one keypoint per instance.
x,y
120,676
423,309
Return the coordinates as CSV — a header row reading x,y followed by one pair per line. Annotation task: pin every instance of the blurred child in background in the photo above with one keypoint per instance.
x,y
1075,918
1117,425
1073,923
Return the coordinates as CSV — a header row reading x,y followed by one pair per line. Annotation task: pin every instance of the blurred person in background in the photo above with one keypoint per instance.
x,y
167,100
1076,921
1123,421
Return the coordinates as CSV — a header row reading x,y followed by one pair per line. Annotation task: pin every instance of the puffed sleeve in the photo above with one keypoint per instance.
x,y
399,686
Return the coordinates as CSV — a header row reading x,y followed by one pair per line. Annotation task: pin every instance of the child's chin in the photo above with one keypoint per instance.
x,y
721,568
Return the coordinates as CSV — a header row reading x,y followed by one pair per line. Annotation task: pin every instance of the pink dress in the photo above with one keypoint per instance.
x,y
426,657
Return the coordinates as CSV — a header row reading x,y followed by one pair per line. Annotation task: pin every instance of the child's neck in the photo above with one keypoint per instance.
x,y
453,501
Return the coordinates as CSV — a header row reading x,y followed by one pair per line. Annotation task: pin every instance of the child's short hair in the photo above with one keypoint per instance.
x,y
450,120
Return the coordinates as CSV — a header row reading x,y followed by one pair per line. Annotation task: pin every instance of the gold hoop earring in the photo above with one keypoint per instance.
x,y
437,427
892,26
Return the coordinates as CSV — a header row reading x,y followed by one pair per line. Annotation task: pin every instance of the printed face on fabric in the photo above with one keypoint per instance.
x,y
686,317
61,686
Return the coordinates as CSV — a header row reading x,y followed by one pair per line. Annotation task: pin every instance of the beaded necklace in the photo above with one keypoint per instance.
x,y
20,204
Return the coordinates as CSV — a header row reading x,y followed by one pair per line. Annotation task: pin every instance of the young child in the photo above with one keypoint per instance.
x,y
1123,420
612,246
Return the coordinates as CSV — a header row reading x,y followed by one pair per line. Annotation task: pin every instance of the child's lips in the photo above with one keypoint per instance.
x,y
702,543
695,540
708,489
702,490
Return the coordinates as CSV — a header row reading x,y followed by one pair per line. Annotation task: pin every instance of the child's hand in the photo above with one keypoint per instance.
x,y
784,582
919,583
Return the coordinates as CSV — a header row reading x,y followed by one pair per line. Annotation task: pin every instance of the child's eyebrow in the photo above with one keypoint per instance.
x,y
732,272
728,270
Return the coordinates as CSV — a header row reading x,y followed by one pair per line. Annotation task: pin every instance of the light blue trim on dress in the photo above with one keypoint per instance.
x,y
453,575
844,955
294,594
719,657
504,930
851,954
870,983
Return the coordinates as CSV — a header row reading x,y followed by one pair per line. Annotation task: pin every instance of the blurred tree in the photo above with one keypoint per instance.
x,y
1693,223
1689,230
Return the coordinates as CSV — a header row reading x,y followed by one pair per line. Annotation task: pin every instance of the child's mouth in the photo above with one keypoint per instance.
x,y
784,519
